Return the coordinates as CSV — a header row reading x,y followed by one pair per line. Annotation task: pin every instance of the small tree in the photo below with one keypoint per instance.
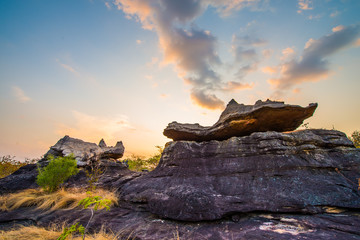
x,y
355,137
56,172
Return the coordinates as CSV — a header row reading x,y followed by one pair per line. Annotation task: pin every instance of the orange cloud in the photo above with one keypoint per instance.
x,y
92,127
269,70
313,65
338,28
209,101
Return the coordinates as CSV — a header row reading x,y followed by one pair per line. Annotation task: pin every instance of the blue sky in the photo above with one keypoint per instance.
x,y
124,69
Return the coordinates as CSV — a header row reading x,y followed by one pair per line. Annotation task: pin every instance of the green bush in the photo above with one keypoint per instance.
x,y
56,172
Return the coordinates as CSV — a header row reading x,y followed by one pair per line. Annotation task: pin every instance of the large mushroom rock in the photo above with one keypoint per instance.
x,y
242,120
303,172
83,151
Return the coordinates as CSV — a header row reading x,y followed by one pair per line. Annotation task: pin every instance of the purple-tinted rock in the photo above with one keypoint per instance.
x,y
242,120
301,171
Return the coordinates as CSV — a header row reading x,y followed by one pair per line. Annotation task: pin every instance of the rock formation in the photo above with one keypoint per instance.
x,y
82,151
243,178
304,171
241,120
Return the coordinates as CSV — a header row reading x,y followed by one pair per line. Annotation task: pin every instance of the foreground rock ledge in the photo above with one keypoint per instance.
x,y
304,172
242,120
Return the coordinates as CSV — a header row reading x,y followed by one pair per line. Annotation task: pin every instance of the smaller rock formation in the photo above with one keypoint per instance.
x,y
242,120
83,151
102,143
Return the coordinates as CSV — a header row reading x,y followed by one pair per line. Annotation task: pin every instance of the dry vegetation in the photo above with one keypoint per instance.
x,y
38,233
61,199
8,165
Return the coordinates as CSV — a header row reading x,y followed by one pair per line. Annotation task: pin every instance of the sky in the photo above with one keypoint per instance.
x,y
123,69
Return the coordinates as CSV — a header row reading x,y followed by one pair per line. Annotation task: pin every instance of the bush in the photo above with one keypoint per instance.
x,y
8,165
56,172
138,164
355,138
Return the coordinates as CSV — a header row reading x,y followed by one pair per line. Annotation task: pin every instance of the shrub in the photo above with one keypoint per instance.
x,y
355,138
56,172
138,164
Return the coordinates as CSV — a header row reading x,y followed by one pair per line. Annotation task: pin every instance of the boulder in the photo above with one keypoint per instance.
x,y
242,120
297,172
83,151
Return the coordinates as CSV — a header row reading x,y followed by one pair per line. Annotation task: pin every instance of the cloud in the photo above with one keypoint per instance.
x,y
233,86
269,70
267,53
335,14
192,50
68,67
338,28
305,5
108,6
313,64
20,95
206,100
357,43
246,56
139,42
93,128
287,53
226,7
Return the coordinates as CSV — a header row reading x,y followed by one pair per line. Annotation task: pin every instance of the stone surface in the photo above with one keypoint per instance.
x,y
241,120
304,171
130,223
83,151
23,178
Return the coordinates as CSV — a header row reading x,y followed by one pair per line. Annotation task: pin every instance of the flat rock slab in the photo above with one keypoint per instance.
x,y
242,120
130,224
302,171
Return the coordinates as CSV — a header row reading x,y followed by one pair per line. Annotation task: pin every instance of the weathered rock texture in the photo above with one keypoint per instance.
x,y
241,120
304,171
268,185
83,151
129,223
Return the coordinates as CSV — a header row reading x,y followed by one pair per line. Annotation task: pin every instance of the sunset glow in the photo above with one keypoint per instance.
x,y
124,69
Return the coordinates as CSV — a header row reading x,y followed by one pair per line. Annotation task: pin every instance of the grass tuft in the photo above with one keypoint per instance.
x,y
39,233
61,199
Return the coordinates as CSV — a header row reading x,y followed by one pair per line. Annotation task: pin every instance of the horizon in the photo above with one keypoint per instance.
x,y
123,69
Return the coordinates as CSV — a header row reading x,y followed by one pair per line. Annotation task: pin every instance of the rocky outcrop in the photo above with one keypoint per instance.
x,y
241,120
229,183
83,151
130,223
304,171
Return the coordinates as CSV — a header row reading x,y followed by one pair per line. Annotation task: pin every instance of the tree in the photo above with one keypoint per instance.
x,y
355,138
